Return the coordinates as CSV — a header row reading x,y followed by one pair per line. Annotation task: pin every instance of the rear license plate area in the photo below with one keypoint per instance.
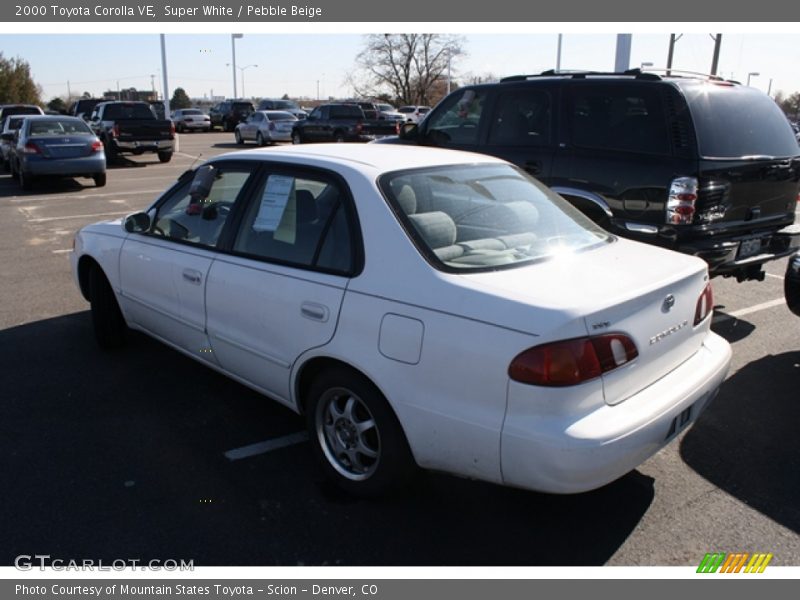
x,y
749,248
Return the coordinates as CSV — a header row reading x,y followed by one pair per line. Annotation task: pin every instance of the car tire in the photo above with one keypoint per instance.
x,y
226,126
25,180
260,139
238,136
791,284
99,179
297,138
165,157
355,436
338,137
110,329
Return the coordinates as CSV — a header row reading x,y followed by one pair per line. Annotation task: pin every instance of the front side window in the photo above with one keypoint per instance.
x,y
457,120
298,221
485,217
185,219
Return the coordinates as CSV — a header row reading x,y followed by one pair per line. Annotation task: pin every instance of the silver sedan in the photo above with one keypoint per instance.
x,y
191,119
266,127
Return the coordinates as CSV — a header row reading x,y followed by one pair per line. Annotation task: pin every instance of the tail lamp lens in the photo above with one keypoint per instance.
x,y
570,362
681,201
705,305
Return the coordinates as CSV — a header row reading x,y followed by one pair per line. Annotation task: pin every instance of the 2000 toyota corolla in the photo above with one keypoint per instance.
x,y
421,307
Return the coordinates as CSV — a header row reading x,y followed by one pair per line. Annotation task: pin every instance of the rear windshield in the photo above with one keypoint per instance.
x,y
486,217
191,111
48,127
128,112
737,121
281,116
21,110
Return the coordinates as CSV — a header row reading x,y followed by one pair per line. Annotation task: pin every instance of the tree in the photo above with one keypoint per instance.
x,y
57,104
789,104
180,99
16,83
405,65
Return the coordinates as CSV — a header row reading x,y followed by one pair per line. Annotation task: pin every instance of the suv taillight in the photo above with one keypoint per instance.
x,y
705,305
359,128
115,131
570,362
171,129
681,201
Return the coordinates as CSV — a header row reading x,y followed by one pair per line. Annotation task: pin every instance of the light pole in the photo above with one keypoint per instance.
x,y
234,37
752,74
242,70
558,54
645,64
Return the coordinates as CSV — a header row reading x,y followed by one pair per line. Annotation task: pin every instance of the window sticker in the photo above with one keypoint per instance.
x,y
277,212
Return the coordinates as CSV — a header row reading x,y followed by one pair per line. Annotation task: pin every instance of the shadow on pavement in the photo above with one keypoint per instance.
x,y
120,455
731,328
746,442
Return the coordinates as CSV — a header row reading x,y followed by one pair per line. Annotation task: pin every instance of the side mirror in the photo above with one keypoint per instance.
x,y
409,131
137,223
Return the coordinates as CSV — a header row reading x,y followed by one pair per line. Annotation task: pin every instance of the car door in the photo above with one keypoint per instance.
x,y
163,271
278,291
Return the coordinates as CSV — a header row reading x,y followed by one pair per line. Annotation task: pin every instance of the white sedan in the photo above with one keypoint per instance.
x,y
422,307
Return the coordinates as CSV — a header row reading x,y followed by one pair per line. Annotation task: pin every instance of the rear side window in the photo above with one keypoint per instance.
x,y
522,118
737,121
627,118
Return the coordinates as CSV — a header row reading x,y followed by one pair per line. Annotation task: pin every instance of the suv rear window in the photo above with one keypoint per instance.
x,y
737,121
127,112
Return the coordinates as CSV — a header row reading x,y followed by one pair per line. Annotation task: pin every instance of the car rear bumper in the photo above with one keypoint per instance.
x,y
146,146
196,124
67,167
586,450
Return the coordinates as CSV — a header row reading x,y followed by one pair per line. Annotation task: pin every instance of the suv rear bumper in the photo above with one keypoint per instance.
x,y
729,255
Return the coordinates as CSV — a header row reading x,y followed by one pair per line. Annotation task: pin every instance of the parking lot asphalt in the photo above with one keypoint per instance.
x,y
129,454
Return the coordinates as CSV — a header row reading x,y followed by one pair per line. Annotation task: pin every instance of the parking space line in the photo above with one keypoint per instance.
x,y
775,276
62,251
105,214
749,310
267,446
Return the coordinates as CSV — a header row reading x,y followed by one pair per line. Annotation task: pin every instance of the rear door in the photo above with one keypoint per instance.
x,y
750,160
278,292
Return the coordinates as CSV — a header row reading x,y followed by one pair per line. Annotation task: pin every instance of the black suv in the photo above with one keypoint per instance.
x,y
700,165
230,113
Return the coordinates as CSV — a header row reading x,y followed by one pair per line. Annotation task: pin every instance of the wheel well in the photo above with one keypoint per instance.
x,y
313,368
85,265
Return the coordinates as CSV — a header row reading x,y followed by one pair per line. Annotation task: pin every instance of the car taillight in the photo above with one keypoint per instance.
x,y
97,146
115,131
705,305
570,362
681,201
31,148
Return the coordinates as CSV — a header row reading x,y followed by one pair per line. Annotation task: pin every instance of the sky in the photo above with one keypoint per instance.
x,y
311,64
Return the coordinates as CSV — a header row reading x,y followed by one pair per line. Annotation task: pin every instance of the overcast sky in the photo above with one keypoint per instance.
x,y
301,64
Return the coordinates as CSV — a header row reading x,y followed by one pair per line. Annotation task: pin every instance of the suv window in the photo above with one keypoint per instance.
x,y
618,117
457,120
300,221
522,118
732,122
346,112
125,112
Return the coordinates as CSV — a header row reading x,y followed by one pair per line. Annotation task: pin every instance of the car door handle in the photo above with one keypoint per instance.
x,y
192,276
534,167
315,312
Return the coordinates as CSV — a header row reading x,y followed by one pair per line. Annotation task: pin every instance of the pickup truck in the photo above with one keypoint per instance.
x,y
340,123
132,127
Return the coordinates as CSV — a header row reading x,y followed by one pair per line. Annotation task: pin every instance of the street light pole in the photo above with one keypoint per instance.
x,y
234,37
558,54
752,74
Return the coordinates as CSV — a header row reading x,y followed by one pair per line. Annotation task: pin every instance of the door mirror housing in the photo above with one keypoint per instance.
x,y
137,223
409,131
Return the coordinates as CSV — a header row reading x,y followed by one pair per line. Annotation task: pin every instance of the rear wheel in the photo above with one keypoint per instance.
x,y
109,325
259,139
338,137
356,436
297,138
165,157
99,179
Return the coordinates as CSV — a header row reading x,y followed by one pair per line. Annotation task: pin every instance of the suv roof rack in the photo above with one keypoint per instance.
x,y
682,73
636,73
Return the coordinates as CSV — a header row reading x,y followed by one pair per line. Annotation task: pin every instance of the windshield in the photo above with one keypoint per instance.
x,y
485,217
737,121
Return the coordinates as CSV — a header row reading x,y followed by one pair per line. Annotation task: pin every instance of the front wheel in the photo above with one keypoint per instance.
x,y
356,436
238,136
109,325
165,157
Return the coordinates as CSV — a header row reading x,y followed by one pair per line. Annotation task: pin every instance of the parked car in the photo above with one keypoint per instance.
x,y
266,127
387,111
289,106
6,110
84,107
704,166
228,114
791,284
413,114
341,122
7,142
191,119
420,307
132,128
55,146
